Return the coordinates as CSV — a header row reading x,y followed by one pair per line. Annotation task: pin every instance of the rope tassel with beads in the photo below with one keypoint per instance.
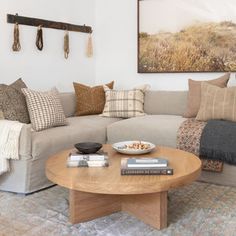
x,y
16,47
39,38
89,52
66,45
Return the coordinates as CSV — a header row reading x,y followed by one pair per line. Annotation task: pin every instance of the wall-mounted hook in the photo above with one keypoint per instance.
x,y
22,20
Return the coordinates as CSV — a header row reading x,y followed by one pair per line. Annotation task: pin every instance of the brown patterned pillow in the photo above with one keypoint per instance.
x,y
90,100
45,109
217,103
12,102
194,94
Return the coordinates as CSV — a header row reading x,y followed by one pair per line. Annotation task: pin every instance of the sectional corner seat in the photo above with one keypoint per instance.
x,y
164,110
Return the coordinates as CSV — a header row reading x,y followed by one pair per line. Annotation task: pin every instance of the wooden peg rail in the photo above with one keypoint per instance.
x,y
22,20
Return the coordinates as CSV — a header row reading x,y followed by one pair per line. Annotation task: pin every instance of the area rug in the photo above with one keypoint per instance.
x,y
199,209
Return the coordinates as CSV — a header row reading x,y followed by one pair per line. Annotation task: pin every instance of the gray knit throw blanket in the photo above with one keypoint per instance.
x,y
218,141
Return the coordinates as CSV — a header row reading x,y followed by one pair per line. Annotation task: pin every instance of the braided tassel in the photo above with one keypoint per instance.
x,y
89,51
39,38
16,47
66,45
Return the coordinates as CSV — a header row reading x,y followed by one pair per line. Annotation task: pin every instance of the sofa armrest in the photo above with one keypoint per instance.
x,y
25,142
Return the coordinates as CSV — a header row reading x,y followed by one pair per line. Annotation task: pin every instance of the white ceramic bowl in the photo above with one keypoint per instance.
x,y
120,147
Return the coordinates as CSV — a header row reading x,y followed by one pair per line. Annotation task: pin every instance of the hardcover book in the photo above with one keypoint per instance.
x,y
87,160
125,170
147,162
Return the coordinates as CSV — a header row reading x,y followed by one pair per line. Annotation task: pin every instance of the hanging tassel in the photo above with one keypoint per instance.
x,y
39,38
89,52
66,45
16,47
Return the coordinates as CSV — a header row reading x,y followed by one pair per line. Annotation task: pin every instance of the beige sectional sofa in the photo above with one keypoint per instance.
x,y
164,115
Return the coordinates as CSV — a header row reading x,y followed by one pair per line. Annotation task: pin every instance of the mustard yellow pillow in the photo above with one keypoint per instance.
x,y
90,100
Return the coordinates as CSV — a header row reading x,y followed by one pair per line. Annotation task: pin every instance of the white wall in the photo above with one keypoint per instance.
x,y
116,50
115,27
42,70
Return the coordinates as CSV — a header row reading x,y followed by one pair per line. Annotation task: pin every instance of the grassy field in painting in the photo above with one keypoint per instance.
x,y
201,47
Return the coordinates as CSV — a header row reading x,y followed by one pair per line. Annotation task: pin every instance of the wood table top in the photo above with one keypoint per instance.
x,y
108,180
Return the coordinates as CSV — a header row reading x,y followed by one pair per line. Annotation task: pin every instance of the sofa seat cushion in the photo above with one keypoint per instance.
x,y
158,129
79,129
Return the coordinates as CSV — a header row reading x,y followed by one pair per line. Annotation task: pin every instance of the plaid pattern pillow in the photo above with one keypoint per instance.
x,y
123,104
45,109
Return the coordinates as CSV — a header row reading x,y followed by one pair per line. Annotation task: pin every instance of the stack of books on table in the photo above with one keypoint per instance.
x,y
87,160
145,166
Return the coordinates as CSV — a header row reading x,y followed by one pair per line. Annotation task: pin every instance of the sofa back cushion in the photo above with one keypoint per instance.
x,y
165,102
155,102
68,101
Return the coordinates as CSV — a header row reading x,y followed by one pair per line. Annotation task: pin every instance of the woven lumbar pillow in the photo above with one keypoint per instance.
x,y
194,93
45,109
217,103
124,103
90,100
12,102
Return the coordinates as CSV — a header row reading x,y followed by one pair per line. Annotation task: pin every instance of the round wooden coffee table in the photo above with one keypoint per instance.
x,y
96,192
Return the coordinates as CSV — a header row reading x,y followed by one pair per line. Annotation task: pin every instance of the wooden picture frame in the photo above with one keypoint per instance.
x,y
176,46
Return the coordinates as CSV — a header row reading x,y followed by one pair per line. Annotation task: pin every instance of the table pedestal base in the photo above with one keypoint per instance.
x,y
150,208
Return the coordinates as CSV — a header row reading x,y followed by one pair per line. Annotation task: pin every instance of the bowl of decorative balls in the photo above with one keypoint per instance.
x,y
133,147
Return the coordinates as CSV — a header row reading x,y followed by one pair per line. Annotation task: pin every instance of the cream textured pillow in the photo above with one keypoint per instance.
x,y
217,103
124,103
45,109
194,93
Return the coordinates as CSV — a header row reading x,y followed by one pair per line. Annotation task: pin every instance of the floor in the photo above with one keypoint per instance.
x,y
199,209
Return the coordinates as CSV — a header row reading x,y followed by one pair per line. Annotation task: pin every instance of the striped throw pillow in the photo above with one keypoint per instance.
x,y
124,103
44,108
217,103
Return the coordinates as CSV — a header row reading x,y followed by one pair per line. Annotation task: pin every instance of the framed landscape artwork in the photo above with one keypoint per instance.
x,y
186,36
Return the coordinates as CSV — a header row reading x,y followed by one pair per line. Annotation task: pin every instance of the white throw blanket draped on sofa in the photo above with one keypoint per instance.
x,y
9,143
